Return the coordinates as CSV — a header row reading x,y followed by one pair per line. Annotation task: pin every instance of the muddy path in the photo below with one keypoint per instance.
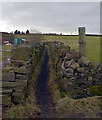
x,y
43,95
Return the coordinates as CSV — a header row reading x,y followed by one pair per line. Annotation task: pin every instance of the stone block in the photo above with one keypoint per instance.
x,y
74,66
100,68
19,88
7,92
83,75
21,83
73,78
17,97
81,69
92,71
21,77
8,84
68,75
6,100
90,78
93,65
7,76
72,54
17,93
17,63
21,70
63,65
84,61
76,74
69,70
18,83
69,63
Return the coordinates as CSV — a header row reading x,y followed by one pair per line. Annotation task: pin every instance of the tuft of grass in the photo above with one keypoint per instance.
x,y
81,108
53,82
96,90
14,112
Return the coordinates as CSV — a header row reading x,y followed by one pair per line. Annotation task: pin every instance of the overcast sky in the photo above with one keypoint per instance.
x,y
60,17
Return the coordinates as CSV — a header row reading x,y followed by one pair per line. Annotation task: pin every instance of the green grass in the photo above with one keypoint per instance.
x,y
87,107
92,48
5,54
6,47
22,53
93,44
33,38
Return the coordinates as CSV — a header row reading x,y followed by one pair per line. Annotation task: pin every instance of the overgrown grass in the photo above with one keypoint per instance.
x,y
6,47
53,82
81,108
96,90
22,53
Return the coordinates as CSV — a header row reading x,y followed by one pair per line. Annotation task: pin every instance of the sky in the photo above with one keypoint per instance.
x,y
59,17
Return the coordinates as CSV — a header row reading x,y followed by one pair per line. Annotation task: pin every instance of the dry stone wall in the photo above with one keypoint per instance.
x,y
13,83
76,75
18,76
80,74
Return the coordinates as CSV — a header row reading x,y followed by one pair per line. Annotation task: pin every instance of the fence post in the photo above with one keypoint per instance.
x,y
82,42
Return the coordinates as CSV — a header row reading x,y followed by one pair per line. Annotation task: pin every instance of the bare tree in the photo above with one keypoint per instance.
x,y
34,37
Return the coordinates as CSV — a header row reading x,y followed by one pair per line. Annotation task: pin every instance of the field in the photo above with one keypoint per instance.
x,y
92,44
6,52
32,38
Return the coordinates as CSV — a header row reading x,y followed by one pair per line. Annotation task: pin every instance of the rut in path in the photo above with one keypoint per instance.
x,y
43,96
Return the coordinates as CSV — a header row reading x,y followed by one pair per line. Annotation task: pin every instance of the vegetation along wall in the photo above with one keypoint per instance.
x,y
17,77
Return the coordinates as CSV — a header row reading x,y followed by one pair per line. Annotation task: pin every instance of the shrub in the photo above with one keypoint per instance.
x,y
96,90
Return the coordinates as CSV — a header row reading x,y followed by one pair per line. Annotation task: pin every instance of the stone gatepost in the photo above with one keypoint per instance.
x,y
82,42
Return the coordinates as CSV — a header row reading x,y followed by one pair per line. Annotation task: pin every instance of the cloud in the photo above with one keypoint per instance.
x,y
52,16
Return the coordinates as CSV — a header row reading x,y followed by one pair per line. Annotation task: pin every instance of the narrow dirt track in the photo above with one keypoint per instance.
x,y
43,96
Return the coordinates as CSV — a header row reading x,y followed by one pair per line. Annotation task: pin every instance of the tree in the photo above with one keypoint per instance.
x,y
22,33
27,32
60,33
16,32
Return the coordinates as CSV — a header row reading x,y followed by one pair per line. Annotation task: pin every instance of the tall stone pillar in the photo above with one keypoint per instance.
x,y
82,42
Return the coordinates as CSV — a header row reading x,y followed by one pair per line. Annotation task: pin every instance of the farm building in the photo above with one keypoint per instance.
x,y
17,41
